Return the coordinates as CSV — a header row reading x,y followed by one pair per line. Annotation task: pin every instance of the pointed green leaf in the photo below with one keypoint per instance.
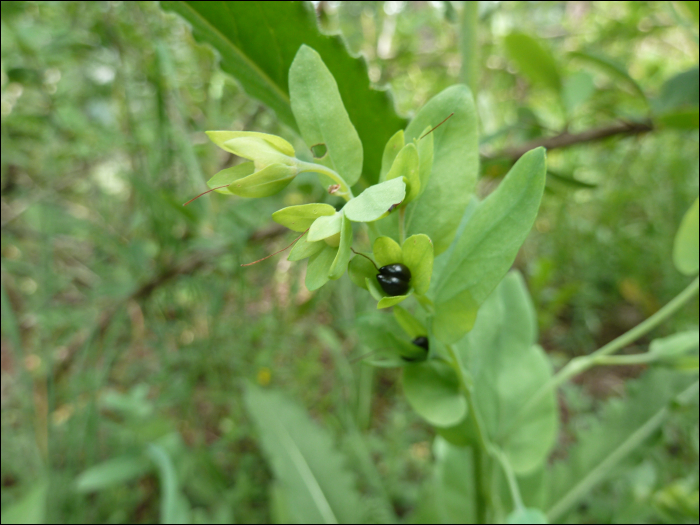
x,y
325,226
391,149
300,218
388,301
174,507
230,175
489,243
685,245
303,248
387,251
220,138
263,183
310,470
432,389
342,257
375,201
116,471
319,266
321,116
454,169
418,256
257,42
610,67
406,165
533,60
455,316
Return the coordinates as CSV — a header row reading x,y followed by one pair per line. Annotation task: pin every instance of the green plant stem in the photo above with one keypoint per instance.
x,y
634,359
631,443
468,45
583,363
510,476
484,447
345,191
480,485
402,219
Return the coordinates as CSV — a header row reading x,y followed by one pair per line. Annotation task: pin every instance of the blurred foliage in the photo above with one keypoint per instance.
x,y
128,323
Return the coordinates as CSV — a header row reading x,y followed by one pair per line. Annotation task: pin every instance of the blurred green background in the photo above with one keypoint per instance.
x,y
127,319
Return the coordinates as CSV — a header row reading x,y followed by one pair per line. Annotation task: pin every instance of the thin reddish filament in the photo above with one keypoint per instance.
x,y
436,127
279,251
208,191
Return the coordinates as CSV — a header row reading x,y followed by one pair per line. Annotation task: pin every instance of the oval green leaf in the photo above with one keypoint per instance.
x,y
303,248
533,60
325,226
387,251
487,247
321,115
300,218
391,149
418,256
342,257
319,266
454,169
432,389
375,201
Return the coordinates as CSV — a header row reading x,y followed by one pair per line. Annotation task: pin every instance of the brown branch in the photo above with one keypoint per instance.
x,y
569,139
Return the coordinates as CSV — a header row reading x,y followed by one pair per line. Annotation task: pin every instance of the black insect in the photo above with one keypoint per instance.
x,y
394,279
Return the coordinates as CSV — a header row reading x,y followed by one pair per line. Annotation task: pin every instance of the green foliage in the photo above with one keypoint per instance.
x,y
685,245
375,201
433,390
312,480
533,60
508,368
246,53
454,168
128,320
487,246
321,116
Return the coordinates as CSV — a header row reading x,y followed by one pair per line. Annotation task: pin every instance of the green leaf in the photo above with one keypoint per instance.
x,y
507,369
389,301
412,326
319,267
486,249
533,60
623,425
683,119
360,269
228,176
300,218
685,245
31,508
452,480
675,345
220,138
174,507
342,257
257,42
577,88
524,515
375,201
433,391
116,471
455,316
310,470
680,91
425,154
325,226
381,334
406,165
268,181
391,149
321,116
610,67
386,251
303,248
418,256
454,169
